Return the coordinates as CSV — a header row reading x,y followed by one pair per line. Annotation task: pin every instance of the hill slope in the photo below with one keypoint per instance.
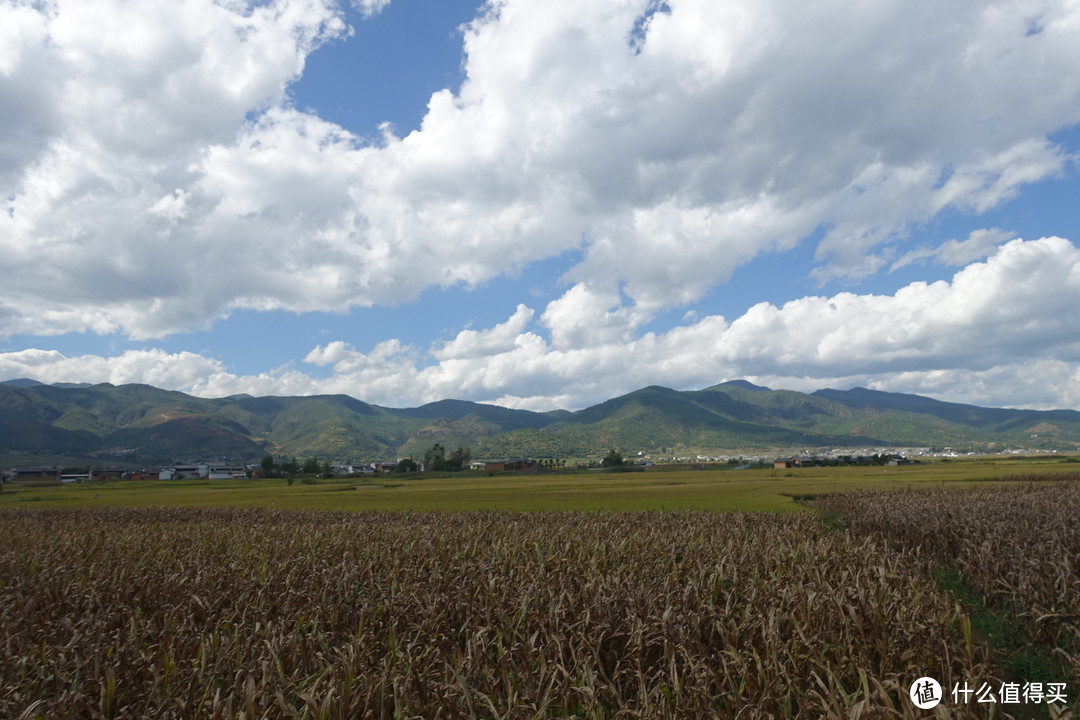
x,y
148,425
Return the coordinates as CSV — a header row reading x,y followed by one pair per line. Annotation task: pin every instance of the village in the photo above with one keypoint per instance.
x,y
35,476
44,475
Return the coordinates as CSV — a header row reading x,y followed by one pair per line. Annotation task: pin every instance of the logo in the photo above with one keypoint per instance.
x,y
925,693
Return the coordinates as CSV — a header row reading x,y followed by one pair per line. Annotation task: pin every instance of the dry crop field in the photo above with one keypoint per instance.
x,y
228,613
1016,548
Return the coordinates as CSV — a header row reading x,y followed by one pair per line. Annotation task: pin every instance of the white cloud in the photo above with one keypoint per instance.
x,y
105,208
154,172
991,313
586,317
1035,384
153,367
29,114
978,245
172,206
482,343
966,340
370,7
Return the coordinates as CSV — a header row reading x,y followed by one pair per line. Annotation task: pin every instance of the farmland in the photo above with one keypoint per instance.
x,y
724,490
1015,552
202,613
180,612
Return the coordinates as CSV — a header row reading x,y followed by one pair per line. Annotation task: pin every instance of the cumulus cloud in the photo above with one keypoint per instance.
x,y
990,313
153,171
482,343
965,340
154,367
107,210
586,317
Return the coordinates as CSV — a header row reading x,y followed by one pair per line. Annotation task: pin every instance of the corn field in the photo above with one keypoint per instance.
x,y
1018,545
225,613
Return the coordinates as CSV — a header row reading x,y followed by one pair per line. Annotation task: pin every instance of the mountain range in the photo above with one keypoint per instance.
x,y
143,424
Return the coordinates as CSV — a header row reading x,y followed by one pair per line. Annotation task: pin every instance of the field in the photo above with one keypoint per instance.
x,y
230,613
722,490
1013,553
256,612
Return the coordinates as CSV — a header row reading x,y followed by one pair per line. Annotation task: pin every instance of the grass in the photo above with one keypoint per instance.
x,y
1007,637
764,490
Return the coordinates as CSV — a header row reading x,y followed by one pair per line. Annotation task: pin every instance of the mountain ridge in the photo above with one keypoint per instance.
x,y
142,423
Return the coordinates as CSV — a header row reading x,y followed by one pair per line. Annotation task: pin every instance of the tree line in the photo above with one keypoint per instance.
x,y
437,459
290,468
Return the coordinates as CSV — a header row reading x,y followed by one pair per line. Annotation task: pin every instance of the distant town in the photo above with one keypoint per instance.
x,y
41,475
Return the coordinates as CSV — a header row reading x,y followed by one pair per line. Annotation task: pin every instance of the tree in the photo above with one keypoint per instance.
x,y
268,466
326,471
613,459
311,466
458,460
406,465
290,468
435,458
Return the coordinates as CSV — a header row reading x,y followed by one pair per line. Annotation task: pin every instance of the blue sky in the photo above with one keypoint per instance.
x,y
541,204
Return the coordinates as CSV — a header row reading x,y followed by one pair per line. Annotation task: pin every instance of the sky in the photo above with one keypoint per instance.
x,y
542,204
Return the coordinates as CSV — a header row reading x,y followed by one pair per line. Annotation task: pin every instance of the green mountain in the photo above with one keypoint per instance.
x,y
140,423
657,417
